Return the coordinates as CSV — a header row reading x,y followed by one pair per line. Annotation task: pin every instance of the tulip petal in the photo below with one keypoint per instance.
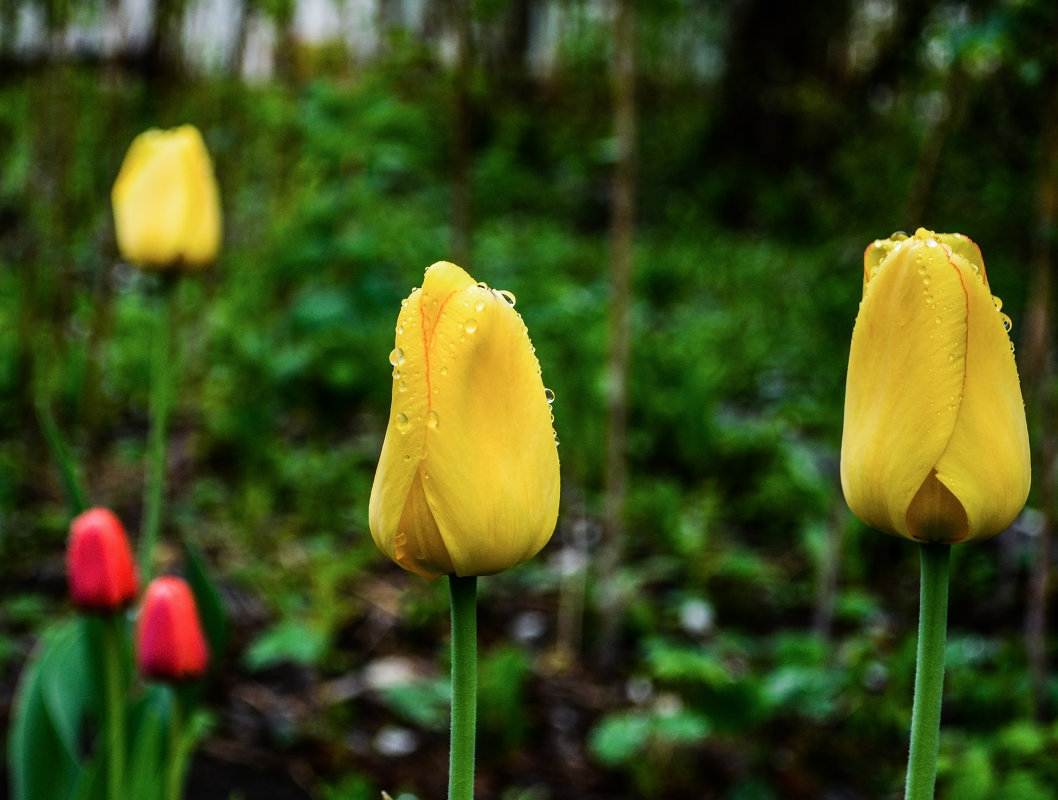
x,y
405,443
491,473
901,402
986,463
202,222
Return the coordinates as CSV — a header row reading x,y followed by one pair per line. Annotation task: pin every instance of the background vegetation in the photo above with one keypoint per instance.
x,y
765,639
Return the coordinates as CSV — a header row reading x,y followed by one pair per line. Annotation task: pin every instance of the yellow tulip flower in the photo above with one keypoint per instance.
x,y
468,479
166,201
935,446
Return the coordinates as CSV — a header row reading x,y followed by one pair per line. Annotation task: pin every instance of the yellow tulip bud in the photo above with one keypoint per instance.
x,y
166,201
935,446
468,479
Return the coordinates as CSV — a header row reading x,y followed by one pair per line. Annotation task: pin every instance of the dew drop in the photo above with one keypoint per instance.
x,y
997,303
931,243
402,422
400,329
396,374
479,305
404,302
1007,324
470,325
396,356
938,319
508,296
431,419
898,236
549,395
482,285
444,370
402,386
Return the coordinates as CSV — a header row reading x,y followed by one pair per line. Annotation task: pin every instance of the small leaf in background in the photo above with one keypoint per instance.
x,y
290,641
620,737
502,711
423,702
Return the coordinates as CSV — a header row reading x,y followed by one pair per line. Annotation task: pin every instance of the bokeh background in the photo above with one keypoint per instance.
x,y
709,620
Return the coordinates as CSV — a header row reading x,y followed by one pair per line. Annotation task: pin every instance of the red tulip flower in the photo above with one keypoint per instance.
x,y
170,645
99,563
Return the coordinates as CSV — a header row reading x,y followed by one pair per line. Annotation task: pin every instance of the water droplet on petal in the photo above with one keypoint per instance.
x,y
402,422
470,325
482,285
508,296
396,356
549,395
479,305
431,419
402,386
997,303
1007,324
444,370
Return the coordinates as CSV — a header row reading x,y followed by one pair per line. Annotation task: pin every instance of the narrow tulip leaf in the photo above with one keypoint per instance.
x,y
42,767
210,607
146,774
70,691
91,780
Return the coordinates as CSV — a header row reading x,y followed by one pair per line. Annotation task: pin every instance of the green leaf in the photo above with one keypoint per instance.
x,y
210,608
423,702
42,766
291,641
972,775
620,737
70,688
146,774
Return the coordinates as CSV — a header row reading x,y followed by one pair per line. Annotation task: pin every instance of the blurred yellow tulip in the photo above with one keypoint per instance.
x,y
935,446
166,201
468,479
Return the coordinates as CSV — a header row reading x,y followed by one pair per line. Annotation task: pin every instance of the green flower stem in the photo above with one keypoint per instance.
x,y
159,410
175,763
929,673
114,700
464,687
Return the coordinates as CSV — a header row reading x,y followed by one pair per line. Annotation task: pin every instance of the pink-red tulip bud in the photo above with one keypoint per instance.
x,y
170,645
99,563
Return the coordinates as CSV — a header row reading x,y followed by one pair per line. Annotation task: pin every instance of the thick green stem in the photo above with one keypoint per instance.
x,y
929,673
175,763
464,687
114,700
159,410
